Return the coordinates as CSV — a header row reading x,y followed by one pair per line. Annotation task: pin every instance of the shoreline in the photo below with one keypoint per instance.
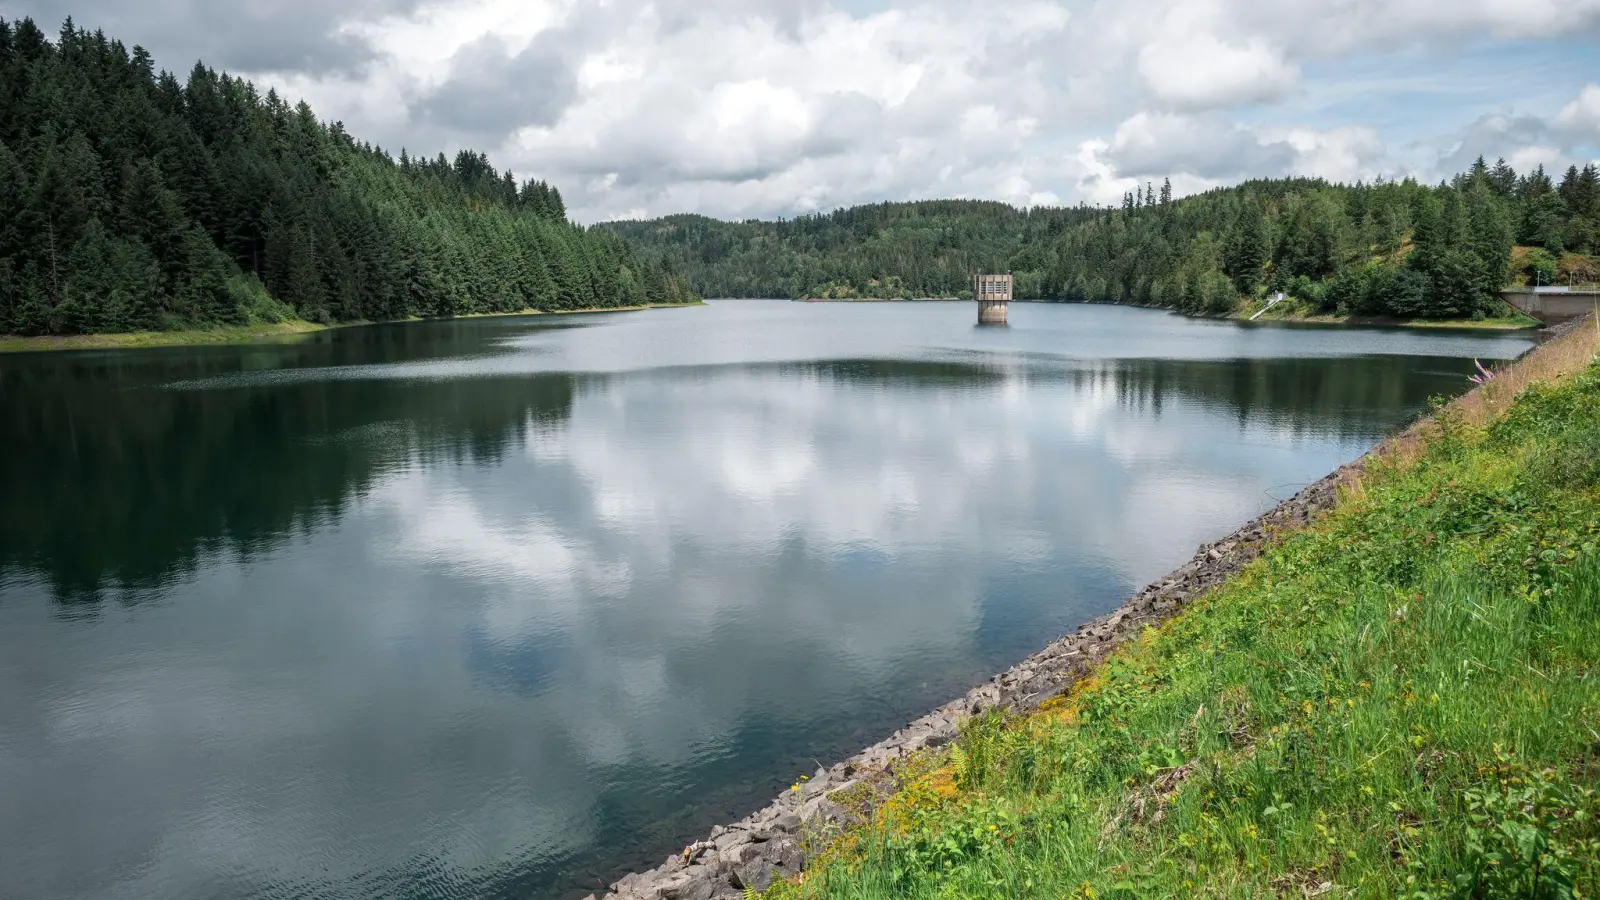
x,y
283,332
771,844
1504,323
1501,323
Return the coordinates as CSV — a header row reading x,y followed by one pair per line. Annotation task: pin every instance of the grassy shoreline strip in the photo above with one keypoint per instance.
x,y
1401,700
1297,311
247,334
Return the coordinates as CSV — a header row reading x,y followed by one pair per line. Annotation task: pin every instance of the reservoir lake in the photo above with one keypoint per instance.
x,y
501,607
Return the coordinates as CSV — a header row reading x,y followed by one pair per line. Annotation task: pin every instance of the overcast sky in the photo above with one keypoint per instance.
x,y
736,108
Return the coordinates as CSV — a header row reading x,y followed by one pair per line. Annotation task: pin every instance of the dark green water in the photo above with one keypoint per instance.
x,y
488,609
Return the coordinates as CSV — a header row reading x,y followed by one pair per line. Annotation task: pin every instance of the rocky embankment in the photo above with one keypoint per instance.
x,y
770,844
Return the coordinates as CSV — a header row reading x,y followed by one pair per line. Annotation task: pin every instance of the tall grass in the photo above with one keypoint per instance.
x,y
1401,701
1553,362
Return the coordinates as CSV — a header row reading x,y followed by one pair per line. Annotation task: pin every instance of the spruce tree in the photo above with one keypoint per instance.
x,y
1503,178
1247,251
201,294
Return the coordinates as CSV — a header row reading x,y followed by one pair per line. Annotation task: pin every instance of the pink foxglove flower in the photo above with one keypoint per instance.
x,y
1483,377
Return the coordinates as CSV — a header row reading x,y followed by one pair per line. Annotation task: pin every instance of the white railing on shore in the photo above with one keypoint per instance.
x,y
1276,298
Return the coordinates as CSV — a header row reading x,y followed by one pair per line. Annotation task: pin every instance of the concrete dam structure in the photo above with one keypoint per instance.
x,y
1553,305
993,293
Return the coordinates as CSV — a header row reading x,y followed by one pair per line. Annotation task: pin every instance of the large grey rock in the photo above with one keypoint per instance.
x,y
690,884
755,875
786,822
819,811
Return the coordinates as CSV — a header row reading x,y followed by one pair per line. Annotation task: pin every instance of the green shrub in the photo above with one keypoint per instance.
x,y
254,305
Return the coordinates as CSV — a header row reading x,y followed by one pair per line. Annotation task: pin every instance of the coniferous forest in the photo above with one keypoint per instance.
x,y
131,200
1389,248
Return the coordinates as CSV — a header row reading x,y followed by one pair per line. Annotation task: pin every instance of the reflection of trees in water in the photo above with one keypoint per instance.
x,y
1348,398
108,485
111,479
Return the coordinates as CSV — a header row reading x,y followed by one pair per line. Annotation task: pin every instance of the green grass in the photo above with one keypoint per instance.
x,y
241,334
1512,320
221,334
1296,310
1402,700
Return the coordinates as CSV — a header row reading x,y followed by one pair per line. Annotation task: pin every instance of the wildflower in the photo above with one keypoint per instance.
x,y
1483,377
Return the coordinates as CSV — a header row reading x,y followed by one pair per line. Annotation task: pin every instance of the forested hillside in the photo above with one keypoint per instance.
x,y
927,248
130,200
1396,248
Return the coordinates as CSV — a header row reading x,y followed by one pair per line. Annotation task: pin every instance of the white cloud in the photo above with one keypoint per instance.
x,y
767,107
1200,152
1582,116
1344,154
1149,144
1201,71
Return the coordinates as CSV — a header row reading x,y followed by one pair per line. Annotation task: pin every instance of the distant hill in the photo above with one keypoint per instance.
x,y
135,201
1395,248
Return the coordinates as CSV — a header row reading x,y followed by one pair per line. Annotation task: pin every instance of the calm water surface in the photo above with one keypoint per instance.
x,y
487,609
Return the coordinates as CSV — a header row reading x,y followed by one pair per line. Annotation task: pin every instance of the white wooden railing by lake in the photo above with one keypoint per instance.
x,y
1276,298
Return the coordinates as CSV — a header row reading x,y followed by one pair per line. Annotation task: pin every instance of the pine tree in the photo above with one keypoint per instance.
x,y
1570,189
84,282
1247,252
555,206
201,293
1503,178
1479,173
1490,241
1534,185
152,214
15,228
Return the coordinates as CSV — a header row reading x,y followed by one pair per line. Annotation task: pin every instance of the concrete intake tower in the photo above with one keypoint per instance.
x,y
993,293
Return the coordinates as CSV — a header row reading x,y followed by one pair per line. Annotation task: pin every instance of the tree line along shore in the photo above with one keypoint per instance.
x,y
1395,250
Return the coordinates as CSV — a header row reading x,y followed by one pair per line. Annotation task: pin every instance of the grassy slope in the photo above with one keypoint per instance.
x,y
1296,311
222,334
234,334
1401,701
